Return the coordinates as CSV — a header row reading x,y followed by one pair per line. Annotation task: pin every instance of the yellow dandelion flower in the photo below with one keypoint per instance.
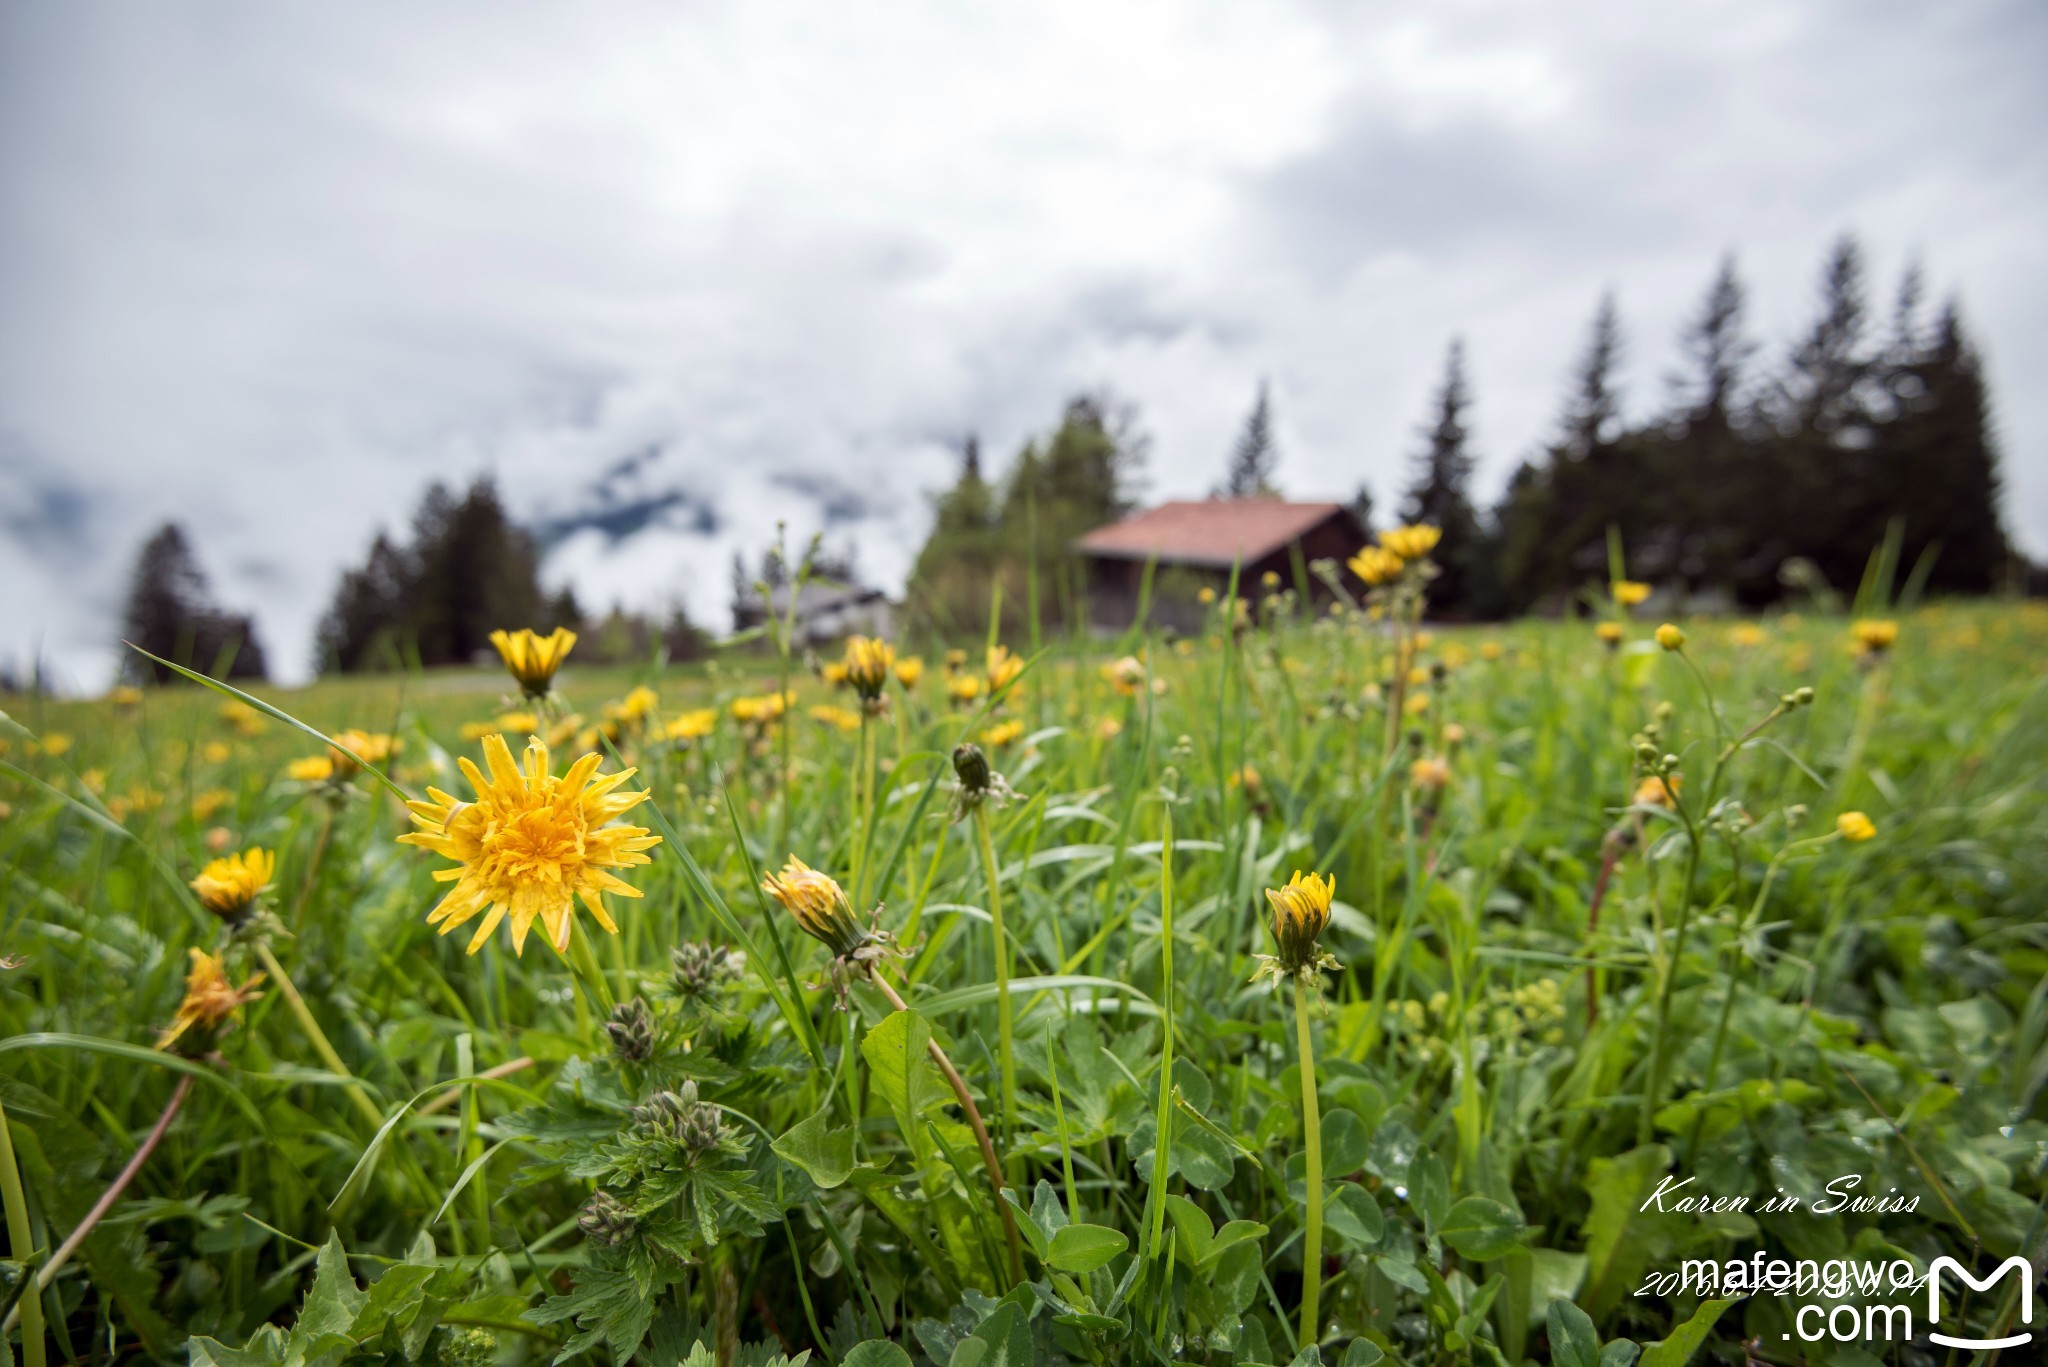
x,y
216,752
1205,595
127,695
518,723
530,844
312,769
636,707
1108,728
956,660
210,1002
1126,676
1430,774
1747,635
1376,565
1270,580
353,749
1610,634
963,688
1003,668
244,719
205,804
1670,637
764,710
1660,792
818,903
229,887
1411,542
1003,732
868,663
1855,827
1874,635
909,670
1417,704
1301,912
1630,592
532,659
833,672
839,718
477,730
692,725
1491,650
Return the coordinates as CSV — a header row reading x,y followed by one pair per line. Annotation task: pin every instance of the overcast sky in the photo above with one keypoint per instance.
x,y
267,269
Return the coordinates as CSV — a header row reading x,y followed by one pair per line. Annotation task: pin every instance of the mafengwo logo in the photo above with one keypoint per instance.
x,y
2013,1264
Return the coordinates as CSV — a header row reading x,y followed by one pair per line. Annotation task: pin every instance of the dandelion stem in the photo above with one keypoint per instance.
x,y
318,1037
974,1122
1005,1010
1312,1172
21,1243
77,1237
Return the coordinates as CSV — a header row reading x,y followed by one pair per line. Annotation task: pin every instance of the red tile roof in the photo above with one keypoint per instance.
x,y
1214,532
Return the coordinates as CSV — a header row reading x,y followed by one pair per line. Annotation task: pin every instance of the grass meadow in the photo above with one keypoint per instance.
x,y
1601,920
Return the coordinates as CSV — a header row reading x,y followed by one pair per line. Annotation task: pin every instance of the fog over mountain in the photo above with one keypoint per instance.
x,y
677,273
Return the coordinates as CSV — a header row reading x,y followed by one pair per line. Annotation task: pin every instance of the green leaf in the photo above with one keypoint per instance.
x,y
1351,1212
1686,1339
1481,1228
1574,1342
1231,1235
1083,1248
1619,1353
1620,1238
1429,1188
1005,1337
876,1353
1362,1352
335,1300
825,1154
1033,1234
897,1052
1344,1143
1191,1223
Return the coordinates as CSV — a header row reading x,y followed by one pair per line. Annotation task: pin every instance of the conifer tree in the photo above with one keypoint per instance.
x,y
1441,494
171,614
1254,459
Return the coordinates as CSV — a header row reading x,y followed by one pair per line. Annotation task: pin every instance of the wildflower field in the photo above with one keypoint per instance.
x,y
1321,986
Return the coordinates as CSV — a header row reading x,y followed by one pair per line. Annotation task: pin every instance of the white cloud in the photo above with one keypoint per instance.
x,y
269,273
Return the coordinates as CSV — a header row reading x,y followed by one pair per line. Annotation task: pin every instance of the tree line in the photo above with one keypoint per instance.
x,y
432,598
1750,480
1753,477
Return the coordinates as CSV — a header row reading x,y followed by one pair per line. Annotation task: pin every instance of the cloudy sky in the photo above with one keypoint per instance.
x,y
269,269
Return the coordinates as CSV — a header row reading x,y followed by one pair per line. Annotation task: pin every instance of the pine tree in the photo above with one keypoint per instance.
x,y
468,571
171,614
1710,473
1254,459
1441,494
1942,460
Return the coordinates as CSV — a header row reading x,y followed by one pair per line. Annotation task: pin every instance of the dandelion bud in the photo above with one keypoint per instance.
x,y
1665,711
1645,751
632,1030
606,1220
1802,697
229,887
701,969
867,665
1301,912
1669,761
819,904
681,1118
532,660
1670,637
